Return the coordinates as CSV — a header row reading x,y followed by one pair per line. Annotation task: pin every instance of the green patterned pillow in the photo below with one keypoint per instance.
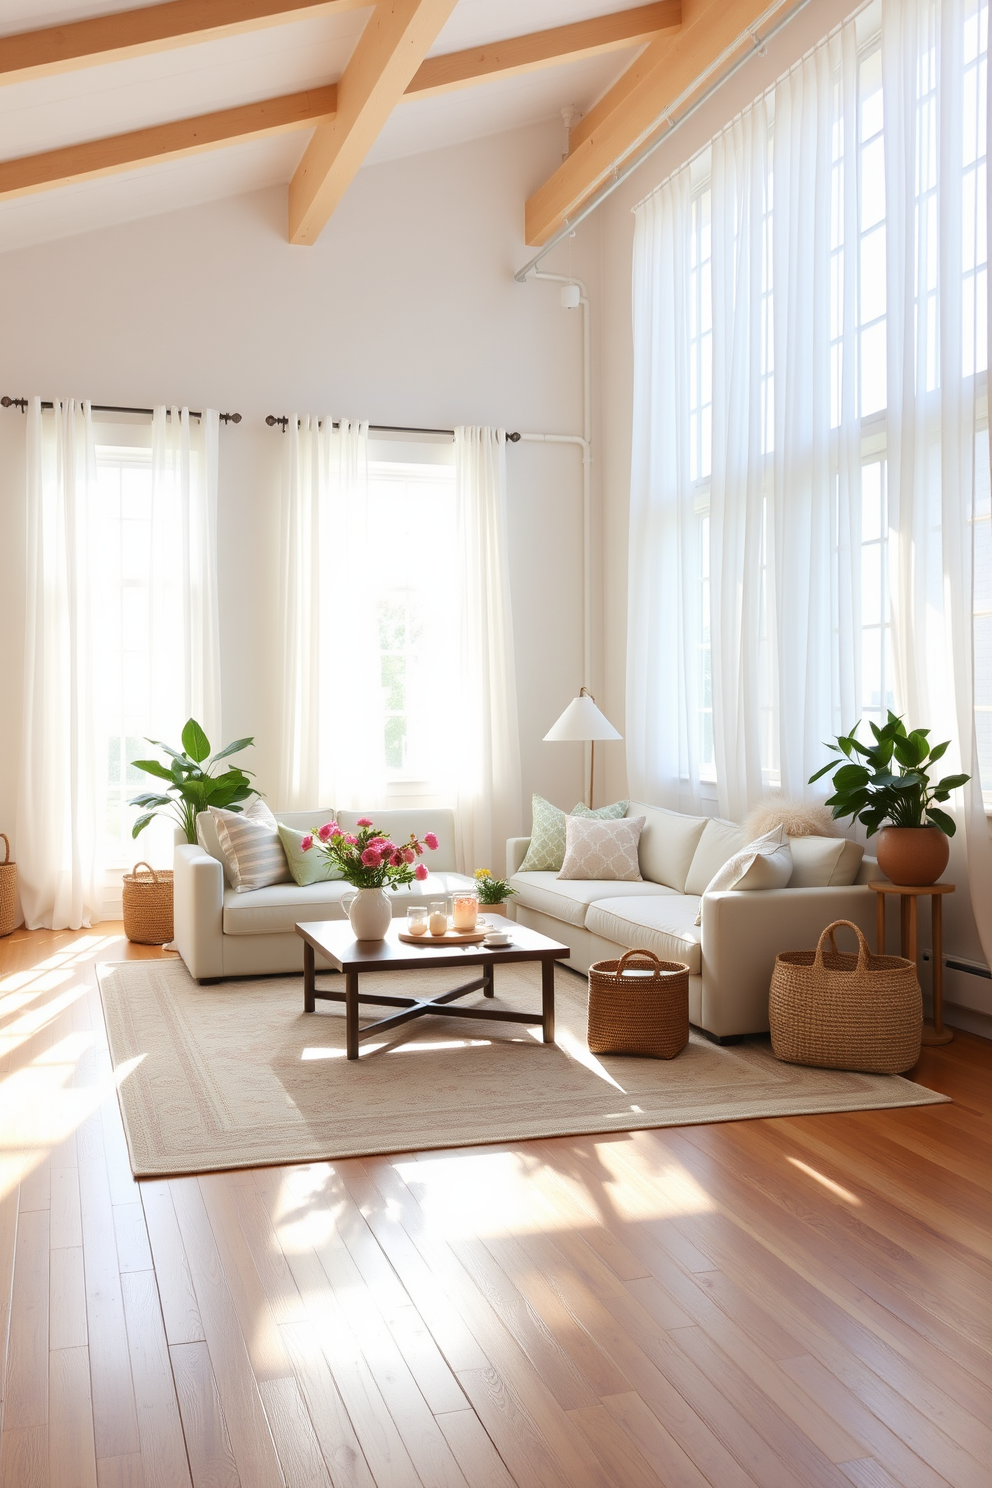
x,y
547,839
306,867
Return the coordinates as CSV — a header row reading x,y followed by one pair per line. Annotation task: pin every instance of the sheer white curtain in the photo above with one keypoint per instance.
x,y
935,137
58,799
486,749
332,749
182,569
121,640
743,614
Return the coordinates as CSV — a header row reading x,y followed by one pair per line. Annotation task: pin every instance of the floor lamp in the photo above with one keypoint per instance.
x,y
580,723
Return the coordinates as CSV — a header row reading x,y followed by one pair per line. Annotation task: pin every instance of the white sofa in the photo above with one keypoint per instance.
x,y
732,952
220,932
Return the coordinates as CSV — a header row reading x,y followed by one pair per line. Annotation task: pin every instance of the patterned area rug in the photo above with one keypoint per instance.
x,y
237,1075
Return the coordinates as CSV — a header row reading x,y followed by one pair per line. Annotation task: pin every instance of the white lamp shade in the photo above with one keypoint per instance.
x,y
580,721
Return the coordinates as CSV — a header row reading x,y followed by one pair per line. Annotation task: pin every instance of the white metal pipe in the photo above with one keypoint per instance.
x,y
586,442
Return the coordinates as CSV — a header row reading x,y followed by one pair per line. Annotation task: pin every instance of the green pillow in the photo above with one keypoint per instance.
x,y
546,852
306,867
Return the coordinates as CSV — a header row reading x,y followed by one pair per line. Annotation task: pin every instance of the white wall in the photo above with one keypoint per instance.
x,y
406,312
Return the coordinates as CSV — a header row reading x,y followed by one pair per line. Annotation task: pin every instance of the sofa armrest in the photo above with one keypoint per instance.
x,y
198,910
516,851
744,930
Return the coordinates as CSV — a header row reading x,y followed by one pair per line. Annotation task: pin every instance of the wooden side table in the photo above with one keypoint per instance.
x,y
935,1032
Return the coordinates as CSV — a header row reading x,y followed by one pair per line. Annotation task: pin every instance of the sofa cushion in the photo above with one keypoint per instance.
x,y
663,924
718,841
667,844
546,850
249,840
568,899
308,867
602,849
819,862
281,907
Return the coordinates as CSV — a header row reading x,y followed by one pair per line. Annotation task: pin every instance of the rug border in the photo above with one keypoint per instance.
x,y
146,1173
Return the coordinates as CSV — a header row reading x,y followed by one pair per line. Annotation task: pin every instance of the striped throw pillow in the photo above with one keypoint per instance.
x,y
250,843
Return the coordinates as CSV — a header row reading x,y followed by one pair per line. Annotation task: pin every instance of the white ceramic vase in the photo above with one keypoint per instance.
x,y
370,913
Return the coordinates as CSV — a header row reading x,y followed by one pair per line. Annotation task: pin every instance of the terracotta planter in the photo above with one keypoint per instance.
x,y
912,855
497,909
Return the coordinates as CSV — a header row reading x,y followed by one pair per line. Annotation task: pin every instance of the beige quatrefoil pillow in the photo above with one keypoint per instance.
x,y
602,849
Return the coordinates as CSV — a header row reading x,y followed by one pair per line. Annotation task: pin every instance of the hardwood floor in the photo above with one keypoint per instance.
x,y
765,1304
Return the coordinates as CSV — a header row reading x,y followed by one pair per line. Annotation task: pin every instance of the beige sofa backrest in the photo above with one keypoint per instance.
x,y
668,842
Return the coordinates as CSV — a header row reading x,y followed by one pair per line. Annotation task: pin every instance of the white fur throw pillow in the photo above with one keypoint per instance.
x,y
602,849
799,818
765,863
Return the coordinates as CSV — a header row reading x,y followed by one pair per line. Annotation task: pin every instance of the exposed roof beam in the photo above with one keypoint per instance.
x,y
103,157
99,157
663,76
396,39
152,28
607,33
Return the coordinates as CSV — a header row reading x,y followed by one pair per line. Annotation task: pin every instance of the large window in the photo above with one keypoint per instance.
x,y
858,312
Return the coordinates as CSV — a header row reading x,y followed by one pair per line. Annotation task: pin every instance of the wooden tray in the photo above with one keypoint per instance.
x,y
450,937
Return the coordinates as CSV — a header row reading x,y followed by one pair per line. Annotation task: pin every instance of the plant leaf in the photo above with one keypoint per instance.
x,y
849,777
231,749
153,767
167,748
822,771
941,819
195,741
951,782
939,750
149,799
141,823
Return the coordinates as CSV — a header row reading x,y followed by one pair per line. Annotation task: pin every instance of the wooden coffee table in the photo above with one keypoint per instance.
x,y
335,941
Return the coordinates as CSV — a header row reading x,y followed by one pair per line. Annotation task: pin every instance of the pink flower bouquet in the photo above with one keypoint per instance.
x,y
371,860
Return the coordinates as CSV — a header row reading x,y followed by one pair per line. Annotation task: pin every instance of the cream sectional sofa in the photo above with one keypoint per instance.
x,y
220,932
731,953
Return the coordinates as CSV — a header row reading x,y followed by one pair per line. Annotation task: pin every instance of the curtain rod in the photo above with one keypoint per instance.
x,y
22,404
283,421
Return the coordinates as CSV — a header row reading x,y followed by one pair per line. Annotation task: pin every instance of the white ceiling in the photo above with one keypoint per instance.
x,y
45,113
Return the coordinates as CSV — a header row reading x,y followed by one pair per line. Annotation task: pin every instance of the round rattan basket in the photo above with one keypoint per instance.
x,y
639,1005
148,905
8,890
835,1010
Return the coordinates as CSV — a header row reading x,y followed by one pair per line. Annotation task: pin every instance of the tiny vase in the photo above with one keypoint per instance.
x,y
370,913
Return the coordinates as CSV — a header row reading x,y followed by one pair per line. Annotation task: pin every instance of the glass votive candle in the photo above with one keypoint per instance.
x,y
464,909
416,920
437,922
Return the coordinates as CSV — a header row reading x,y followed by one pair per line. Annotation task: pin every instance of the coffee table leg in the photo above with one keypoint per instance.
x,y
309,1001
548,1000
489,972
351,1012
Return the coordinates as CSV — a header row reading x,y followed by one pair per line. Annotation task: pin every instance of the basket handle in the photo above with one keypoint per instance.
x,y
151,870
640,956
863,952
6,843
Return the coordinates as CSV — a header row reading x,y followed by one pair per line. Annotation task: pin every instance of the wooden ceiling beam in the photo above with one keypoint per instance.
x,y
609,33
396,39
625,118
152,28
104,157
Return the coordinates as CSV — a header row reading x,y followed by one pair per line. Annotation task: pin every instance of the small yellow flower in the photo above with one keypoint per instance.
x,y
483,873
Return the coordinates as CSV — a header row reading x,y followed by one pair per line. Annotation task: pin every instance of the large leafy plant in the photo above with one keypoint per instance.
x,y
888,782
191,785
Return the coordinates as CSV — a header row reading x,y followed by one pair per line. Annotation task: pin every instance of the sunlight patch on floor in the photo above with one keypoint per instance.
x,y
317,1053
307,1207
825,1182
577,1050
658,1192
480,1193
30,1024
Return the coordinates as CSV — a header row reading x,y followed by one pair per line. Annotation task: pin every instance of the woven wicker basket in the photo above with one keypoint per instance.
x,y
148,905
835,1010
639,1005
8,890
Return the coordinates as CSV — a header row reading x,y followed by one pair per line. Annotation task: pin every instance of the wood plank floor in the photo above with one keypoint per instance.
x,y
801,1303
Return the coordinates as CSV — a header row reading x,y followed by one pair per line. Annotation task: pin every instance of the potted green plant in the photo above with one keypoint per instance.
x,y
886,785
493,892
192,786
